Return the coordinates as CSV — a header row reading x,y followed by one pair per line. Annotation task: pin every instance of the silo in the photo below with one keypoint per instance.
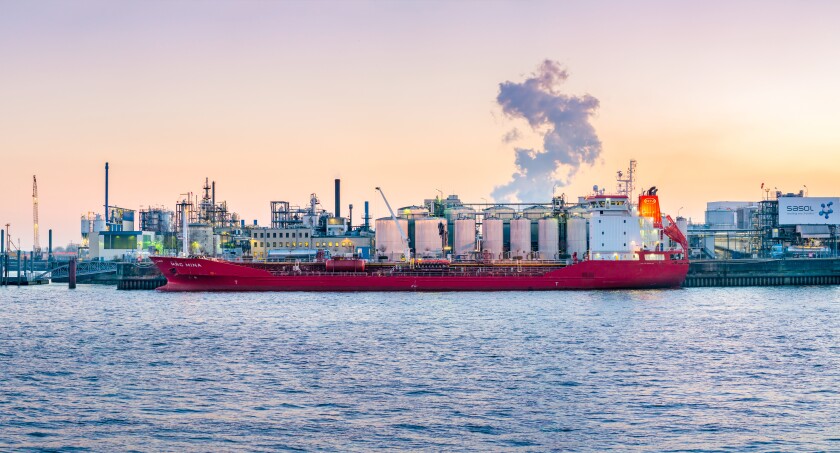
x,y
165,221
85,225
499,212
99,224
201,239
536,212
520,237
549,238
388,239
576,237
452,214
464,236
492,231
428,242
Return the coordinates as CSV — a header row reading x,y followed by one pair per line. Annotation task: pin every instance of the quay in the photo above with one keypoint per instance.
x,y
763,272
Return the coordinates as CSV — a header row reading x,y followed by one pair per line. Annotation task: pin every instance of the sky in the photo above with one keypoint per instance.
x,y
273,100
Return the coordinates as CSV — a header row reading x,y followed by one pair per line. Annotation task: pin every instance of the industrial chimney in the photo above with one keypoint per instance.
x,y
107,220
337,197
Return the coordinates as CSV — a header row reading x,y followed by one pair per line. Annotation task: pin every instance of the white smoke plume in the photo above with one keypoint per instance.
x,y
569,140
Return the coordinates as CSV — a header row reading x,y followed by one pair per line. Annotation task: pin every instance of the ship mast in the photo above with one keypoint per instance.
x,y
626,186
407,250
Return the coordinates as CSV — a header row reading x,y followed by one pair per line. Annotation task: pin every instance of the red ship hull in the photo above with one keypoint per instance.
x,y
199,274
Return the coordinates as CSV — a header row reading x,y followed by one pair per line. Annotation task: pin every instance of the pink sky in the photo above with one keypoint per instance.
x,y
274,100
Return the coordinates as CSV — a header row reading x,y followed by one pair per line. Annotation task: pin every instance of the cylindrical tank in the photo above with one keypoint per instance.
x,y
388,239
413,212
536,212
98,223
459,212
682,224
427,238
165,221
345,265
549,238
464,236
85,225
499,212
492,232
576,236
201,239
520,237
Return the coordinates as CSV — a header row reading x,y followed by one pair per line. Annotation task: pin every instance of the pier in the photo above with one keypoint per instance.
x,y
763,272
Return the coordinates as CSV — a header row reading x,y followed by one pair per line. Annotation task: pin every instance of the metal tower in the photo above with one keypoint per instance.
x,y
36,246
627,183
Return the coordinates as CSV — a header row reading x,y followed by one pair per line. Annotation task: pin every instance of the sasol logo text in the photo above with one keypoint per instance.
x,y
800,209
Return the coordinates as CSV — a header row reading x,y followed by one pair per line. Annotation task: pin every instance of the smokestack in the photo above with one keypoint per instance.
x,y
337,197
213,202
367,215
106,196
49,256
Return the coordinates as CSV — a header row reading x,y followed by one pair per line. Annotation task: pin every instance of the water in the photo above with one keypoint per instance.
x,y
694,369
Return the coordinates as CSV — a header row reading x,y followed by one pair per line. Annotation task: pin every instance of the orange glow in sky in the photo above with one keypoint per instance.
x,y
273,100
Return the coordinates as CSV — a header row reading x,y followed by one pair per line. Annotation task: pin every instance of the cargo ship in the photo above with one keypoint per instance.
x,y
618,245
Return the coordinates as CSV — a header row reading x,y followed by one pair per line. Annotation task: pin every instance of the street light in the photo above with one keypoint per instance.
x,y
678,211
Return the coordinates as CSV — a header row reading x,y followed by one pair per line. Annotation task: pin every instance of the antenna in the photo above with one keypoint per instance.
x,y
626,186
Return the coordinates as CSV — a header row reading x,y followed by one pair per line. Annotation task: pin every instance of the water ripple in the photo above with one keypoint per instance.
x,y
691,370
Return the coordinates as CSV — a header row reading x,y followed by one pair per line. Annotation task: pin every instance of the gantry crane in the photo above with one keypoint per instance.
x,y
36,246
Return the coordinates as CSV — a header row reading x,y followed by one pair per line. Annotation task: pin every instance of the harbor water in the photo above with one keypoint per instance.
x,y
752,369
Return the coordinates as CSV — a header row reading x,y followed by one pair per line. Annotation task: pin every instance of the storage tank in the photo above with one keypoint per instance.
x,y
492,231
428,241
536,212
520,237
452,214
576,233
464,237
85,225
549,238
99,224
413,212
201,239
388,239
499,212
166,221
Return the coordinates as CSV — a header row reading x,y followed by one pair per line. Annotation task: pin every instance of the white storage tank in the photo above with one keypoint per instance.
x,y
85,225
428,242
499,212
464,237
459,212
520,237
549,238
166,221
576,232
201,239
413,212
493,237
388,239
99,224
536,212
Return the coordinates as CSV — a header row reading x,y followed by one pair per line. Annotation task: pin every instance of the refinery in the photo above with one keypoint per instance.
x,y
555,232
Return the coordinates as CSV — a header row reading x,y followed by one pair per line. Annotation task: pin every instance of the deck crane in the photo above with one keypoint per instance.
x,y
36,246
407,251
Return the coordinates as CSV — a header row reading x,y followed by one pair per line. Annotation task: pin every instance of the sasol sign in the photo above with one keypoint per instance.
x,y
809,211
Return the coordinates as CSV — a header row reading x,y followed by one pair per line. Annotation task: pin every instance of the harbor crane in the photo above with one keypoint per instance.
x,y
36,245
